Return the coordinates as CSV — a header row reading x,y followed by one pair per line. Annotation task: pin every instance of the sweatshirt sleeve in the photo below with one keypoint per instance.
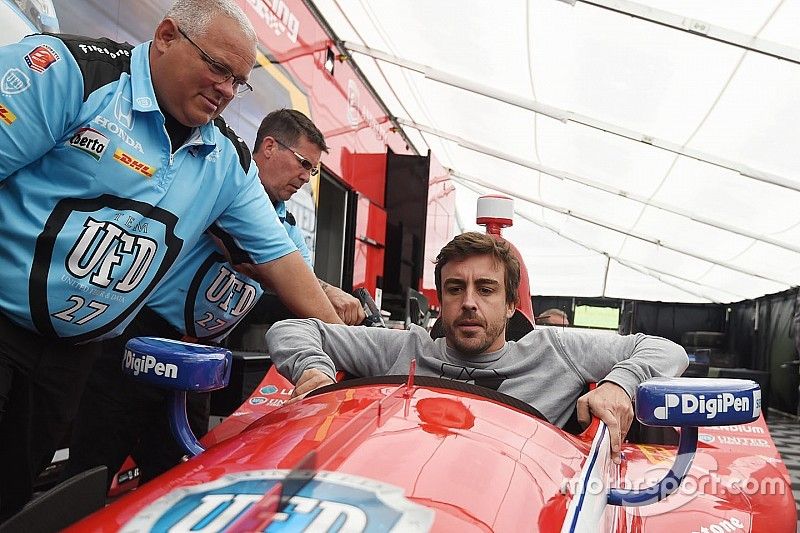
x,y
298,345
625,360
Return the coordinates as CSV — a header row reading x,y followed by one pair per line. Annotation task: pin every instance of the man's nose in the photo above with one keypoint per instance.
x,y
469,301
226,88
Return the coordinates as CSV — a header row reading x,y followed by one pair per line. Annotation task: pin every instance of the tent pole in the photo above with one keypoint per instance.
x,y
559,174
645,270
608,226
568,116
696,27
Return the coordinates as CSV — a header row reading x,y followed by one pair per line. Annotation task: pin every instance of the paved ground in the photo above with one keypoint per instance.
x,y
786,435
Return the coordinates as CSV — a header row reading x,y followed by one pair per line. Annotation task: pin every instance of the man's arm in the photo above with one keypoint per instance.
x,y
346,305
301,349
296,286
37,117
619,364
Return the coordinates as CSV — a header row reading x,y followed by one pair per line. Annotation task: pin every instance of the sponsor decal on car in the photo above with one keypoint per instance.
x,y
723,526
14,82
90,141
40,58
146,364
709,406
134,164
744,428
657,454
325,500
6,115
742,441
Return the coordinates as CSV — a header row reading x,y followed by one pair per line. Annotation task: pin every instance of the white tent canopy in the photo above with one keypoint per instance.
x,y
652,148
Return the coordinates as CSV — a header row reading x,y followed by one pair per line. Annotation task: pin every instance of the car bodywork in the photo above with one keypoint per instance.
x,y
420,454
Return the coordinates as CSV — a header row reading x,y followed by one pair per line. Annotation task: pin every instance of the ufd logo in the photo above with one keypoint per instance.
x,y
226,287
146,364
711,407
328,501
100,250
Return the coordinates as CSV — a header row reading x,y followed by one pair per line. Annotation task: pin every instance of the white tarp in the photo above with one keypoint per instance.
x,y
691,224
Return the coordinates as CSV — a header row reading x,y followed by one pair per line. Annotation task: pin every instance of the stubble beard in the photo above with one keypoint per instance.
x,y
467,346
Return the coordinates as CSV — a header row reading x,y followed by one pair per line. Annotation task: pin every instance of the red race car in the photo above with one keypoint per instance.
x,y
413,453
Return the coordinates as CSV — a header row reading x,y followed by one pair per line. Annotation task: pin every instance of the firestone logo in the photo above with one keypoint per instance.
x,y
146,364
113,54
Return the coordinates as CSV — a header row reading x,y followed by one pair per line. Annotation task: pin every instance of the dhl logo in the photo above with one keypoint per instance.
x,y
134,164
6,115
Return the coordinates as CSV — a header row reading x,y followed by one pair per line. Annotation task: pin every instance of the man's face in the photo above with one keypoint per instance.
x,y
281,171
182,76
474,308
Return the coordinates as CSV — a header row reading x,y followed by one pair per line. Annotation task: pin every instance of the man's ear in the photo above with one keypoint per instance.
x,y
268,146
166,34
510,308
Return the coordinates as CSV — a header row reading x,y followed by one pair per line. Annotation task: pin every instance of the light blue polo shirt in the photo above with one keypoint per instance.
x,y
94,206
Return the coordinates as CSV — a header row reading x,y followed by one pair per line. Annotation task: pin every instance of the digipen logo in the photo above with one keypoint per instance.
x,y
691,403
145,364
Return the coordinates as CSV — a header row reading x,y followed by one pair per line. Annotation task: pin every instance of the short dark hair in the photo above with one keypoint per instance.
x,y
473,243
287,126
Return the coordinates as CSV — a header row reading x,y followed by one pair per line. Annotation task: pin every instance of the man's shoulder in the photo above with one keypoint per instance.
x,y
100,60
236,142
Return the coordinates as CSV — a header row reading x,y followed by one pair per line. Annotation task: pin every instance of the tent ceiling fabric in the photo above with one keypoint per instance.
x,y
646,162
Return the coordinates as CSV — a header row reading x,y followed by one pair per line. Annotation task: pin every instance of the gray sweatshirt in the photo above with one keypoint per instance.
x,y
546,369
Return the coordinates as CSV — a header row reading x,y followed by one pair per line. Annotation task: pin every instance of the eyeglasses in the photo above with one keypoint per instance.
x,y
220,71
305,163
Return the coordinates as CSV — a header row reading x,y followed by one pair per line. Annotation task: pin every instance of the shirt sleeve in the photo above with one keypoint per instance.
x,y
42,98
298,345
297,237
249,227
632,359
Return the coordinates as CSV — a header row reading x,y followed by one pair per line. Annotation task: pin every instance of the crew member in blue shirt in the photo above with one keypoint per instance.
x,y
113,162
201,300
